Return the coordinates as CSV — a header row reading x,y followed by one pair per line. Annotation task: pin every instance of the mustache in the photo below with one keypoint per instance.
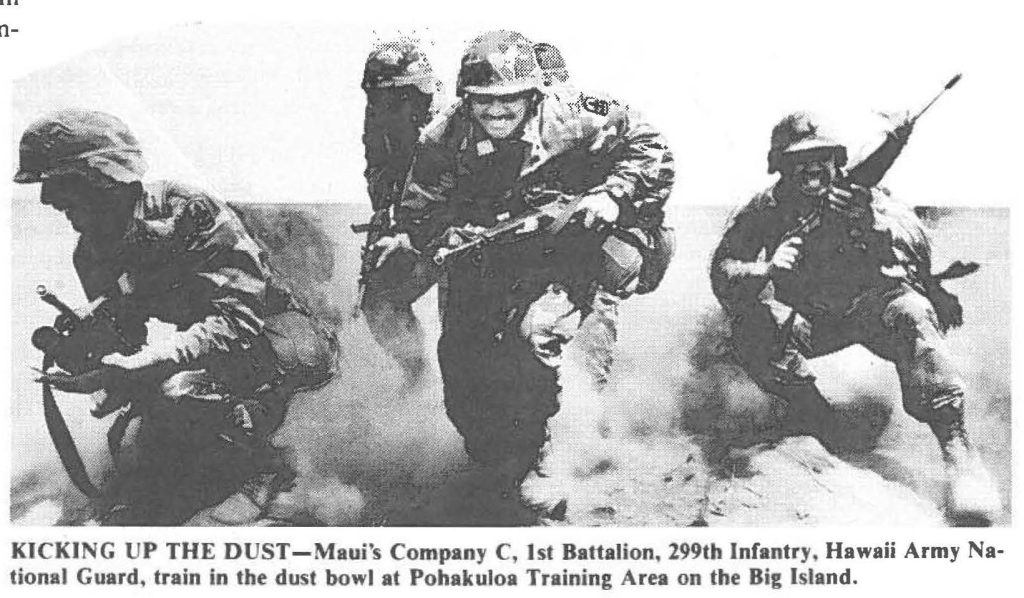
x,y
504,116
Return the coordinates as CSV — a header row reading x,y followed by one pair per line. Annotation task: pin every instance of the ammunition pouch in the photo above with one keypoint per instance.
x,y
635,260
306,350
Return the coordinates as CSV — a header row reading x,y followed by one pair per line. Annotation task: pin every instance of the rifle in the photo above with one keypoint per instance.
x,y
376,228
868,173
550,211
870,170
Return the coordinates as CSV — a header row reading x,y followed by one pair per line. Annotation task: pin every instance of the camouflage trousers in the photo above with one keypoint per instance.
x,y
501,377
183,449
897,324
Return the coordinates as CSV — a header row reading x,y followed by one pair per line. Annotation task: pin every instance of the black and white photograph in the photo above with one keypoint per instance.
x,y
536,297
502,276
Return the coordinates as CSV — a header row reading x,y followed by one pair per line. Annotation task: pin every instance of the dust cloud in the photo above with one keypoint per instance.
x,y
370,450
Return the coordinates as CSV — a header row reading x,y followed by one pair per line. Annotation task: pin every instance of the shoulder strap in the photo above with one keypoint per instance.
x,y
63,442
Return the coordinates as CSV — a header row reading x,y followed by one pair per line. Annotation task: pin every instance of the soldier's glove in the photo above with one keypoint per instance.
x,y
598,209
386,246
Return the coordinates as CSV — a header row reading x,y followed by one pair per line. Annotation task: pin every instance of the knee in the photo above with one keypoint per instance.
x,y
549,324
911,316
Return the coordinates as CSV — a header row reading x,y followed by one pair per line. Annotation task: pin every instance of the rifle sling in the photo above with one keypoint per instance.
x,y
565,215
62,440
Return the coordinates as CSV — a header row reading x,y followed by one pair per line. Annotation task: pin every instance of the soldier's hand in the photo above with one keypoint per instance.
x,y
389,245
844,202
902,125
140,360
86,383
457,236
598,209
786,256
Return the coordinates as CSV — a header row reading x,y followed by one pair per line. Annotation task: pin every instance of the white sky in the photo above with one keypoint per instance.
x,y
273,112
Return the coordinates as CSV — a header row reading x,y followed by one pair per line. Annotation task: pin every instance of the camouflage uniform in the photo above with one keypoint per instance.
x,y
510,313
866,282
400,87
844,293
598,331
197,425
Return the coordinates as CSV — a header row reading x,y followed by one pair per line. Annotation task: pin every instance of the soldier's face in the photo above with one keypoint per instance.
x,y
814,176
83,202
500,116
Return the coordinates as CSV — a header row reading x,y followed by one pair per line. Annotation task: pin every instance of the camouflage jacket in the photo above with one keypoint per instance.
x,y
185,259
840,259
572,143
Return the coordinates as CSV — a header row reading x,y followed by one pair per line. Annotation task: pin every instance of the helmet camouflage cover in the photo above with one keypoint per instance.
x,y
801,132
551,64
77,140
397,63
499,63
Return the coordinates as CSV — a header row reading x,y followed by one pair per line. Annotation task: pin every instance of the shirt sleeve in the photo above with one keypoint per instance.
x,y
642,168
738,271
222,259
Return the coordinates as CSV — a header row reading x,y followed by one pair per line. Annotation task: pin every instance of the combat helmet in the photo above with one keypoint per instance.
x,y
799,132
552,65
78,140
499,63
397,63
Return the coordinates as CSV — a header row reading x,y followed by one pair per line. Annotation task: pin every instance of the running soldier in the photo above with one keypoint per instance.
x,y
195,410
817,263
512,308
598,332
400,89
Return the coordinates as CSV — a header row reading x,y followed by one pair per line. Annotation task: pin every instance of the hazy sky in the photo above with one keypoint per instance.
x,y
274,112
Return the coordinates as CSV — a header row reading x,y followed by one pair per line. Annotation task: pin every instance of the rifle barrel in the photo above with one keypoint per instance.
x,y
52,299
949,85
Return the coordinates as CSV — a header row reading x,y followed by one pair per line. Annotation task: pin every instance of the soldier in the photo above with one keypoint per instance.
x,y
512,309
599,330
194,411
817,263
400,87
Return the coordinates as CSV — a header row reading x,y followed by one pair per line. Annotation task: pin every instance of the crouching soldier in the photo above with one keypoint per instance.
x,y
195,407
817,263
511,308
